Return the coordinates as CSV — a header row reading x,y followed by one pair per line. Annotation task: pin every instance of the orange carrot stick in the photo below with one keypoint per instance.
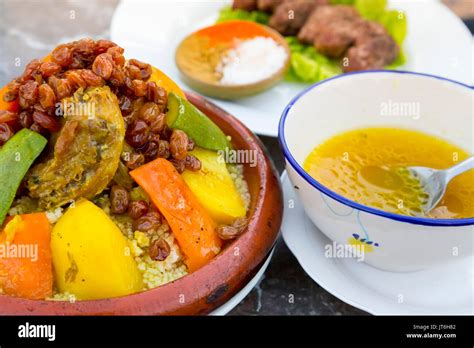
x,y
192,226
25,257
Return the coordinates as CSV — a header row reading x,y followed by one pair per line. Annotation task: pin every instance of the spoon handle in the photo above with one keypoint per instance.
x,y
460,168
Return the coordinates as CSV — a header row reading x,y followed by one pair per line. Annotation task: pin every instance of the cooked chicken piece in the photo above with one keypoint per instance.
x,y
87,152
291,15
247,5
268,5
324,16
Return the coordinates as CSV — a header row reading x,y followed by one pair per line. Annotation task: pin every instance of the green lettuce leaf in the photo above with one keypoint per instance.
x,y
307,65
396,24
371,9
228,14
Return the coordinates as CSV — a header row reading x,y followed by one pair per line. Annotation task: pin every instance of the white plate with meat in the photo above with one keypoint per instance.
x,y
437,43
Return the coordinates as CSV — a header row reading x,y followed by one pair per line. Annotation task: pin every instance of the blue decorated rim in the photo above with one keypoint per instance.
x,y
313,182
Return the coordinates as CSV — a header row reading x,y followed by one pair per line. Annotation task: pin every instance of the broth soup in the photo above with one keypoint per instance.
x,y
369,166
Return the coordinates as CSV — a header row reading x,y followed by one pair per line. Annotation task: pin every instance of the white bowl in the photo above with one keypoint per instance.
x,y
433,105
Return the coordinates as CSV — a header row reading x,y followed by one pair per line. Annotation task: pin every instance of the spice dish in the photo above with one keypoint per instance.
x,y
233,60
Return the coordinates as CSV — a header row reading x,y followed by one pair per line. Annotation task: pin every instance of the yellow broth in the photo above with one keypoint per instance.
x,y
369,166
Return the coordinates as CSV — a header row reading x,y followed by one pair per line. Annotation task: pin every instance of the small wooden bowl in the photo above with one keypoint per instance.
x,y
229,92
212,285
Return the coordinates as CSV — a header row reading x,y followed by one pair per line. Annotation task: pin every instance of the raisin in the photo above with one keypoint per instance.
x,y
31,69
163,149
47,98
62,55
48,69
85,47
12,91
25,118
156,94
103,45
159,250
8,116
117,78
179,144
46,121
136,209
137,134
103,66
180,165
119,200
125,105
149,112
35,127
62,87
77,62
117,55
151,150
192,163
158,124
136,160
75,79
6,132
149,222
191,144
28,94
134,72
228,232
91,78
139,88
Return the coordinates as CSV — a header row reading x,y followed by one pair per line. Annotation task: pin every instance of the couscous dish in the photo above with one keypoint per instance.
x,y
112,182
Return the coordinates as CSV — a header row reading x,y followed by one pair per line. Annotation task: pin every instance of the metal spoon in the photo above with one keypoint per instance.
x,y
434,181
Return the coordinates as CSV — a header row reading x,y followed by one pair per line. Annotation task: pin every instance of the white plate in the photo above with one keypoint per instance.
x,y
234,301
446,290
437,43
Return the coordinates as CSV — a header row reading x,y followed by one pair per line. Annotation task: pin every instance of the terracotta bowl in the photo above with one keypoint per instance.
x,y
215,283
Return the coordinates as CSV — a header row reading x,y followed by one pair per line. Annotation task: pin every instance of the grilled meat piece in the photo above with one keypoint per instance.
x,y
339,30
373,49
326,16
291,15
247,5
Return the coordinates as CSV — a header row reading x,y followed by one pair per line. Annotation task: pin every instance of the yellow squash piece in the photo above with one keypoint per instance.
x,y
214,187
164,81
91,256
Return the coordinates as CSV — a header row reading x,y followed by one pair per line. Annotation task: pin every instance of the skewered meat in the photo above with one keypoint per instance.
x,y
291,15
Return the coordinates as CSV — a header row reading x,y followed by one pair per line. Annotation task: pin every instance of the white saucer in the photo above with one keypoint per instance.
x,y
446,290
234,301
437,43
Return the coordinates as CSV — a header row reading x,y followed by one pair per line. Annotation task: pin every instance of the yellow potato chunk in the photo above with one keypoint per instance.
x,y
91,256
214,187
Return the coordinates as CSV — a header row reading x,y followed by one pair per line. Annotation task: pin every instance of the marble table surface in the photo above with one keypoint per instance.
x,y
31,28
